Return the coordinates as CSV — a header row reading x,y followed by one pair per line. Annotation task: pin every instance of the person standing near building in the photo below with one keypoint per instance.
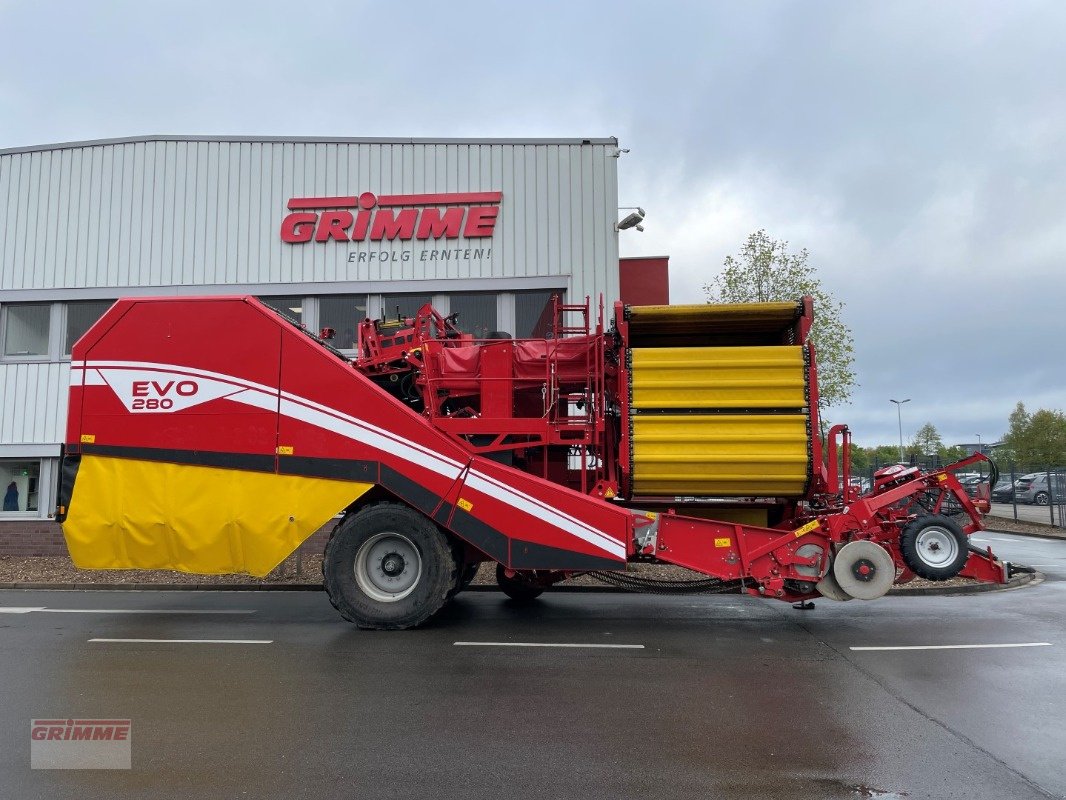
x,y
11,499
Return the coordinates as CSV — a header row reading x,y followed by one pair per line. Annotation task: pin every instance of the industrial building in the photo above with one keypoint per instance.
x,y
326,230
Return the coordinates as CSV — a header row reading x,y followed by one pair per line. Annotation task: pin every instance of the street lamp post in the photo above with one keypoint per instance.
x,y
899,418
980,446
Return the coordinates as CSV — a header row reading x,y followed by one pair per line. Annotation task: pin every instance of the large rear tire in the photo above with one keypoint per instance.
x,y
387,567
934,547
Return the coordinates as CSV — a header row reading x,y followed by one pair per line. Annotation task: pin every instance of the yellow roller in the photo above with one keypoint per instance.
x,y
721,455
718,377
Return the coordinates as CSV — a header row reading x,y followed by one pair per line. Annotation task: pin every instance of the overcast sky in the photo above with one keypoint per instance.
x,y
917,150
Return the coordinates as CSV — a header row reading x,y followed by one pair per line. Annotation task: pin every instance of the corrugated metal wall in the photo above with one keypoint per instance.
x,y
34,402
189,212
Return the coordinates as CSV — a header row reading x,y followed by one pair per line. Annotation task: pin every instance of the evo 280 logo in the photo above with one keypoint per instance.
x,y
158,391
152,395
388,217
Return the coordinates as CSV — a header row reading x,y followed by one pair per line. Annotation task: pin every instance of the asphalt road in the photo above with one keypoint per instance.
x,y
725,697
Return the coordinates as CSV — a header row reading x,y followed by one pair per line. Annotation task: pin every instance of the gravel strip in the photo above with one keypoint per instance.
x,y
1008,525
61,570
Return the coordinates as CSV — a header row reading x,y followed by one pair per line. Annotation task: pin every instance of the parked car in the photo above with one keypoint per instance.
x,y
970,484
1034,488
1003,491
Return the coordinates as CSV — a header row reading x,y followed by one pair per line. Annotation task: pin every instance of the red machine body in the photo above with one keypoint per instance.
x,y
531,453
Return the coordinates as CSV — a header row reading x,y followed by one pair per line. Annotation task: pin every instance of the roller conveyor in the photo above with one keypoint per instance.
x,y
730,420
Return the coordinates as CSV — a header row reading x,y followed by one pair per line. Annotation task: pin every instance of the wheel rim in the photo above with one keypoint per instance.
x,y
937,547
388,567
1041,499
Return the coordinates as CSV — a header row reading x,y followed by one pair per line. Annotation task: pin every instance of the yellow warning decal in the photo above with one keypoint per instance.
x,y
803,529
88,438
609,493
466,505
284,450
724,542
942,477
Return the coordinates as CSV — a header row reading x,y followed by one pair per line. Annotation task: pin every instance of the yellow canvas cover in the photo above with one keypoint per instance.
x,y
132,514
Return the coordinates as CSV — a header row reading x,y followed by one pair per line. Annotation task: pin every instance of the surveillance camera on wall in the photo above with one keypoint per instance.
x,y
632,221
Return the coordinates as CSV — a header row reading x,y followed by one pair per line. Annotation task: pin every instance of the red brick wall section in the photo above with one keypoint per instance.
x,y
31,537
41,537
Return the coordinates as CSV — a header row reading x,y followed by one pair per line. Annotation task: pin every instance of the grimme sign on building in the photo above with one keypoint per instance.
x,y
403,217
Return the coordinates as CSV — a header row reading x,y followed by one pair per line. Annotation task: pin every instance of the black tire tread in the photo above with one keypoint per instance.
x,y
437,595
909,550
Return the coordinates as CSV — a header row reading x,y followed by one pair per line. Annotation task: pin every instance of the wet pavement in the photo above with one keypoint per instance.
x,y
710,696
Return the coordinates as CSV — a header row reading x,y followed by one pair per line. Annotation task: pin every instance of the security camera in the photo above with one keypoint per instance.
x,y
632,221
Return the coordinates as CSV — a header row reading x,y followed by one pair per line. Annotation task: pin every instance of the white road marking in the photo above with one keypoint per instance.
x,y
142,611
995,539
188,641
956,646
548,644
46,610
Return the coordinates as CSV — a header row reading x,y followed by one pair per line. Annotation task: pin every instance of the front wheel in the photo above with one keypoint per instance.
x,y
387,567
934,547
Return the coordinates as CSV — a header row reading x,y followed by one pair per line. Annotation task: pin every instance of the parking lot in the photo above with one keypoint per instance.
x,y
1026,513
598,695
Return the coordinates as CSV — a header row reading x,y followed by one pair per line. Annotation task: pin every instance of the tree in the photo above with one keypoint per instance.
x,y
927,441
764,271
1037,439
949,455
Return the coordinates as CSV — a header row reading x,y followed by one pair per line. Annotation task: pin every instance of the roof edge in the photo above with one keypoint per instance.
x,y
611,140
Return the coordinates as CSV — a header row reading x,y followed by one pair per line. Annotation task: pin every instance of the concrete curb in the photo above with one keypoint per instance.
x,y
1017,582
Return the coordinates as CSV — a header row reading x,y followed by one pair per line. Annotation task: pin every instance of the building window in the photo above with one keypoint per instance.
x,y
80,317
533,313
19,481
26,329
408,305
290,305
343,313
477,313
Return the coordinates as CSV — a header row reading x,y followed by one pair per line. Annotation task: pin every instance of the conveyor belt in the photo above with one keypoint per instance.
x,y
721,324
